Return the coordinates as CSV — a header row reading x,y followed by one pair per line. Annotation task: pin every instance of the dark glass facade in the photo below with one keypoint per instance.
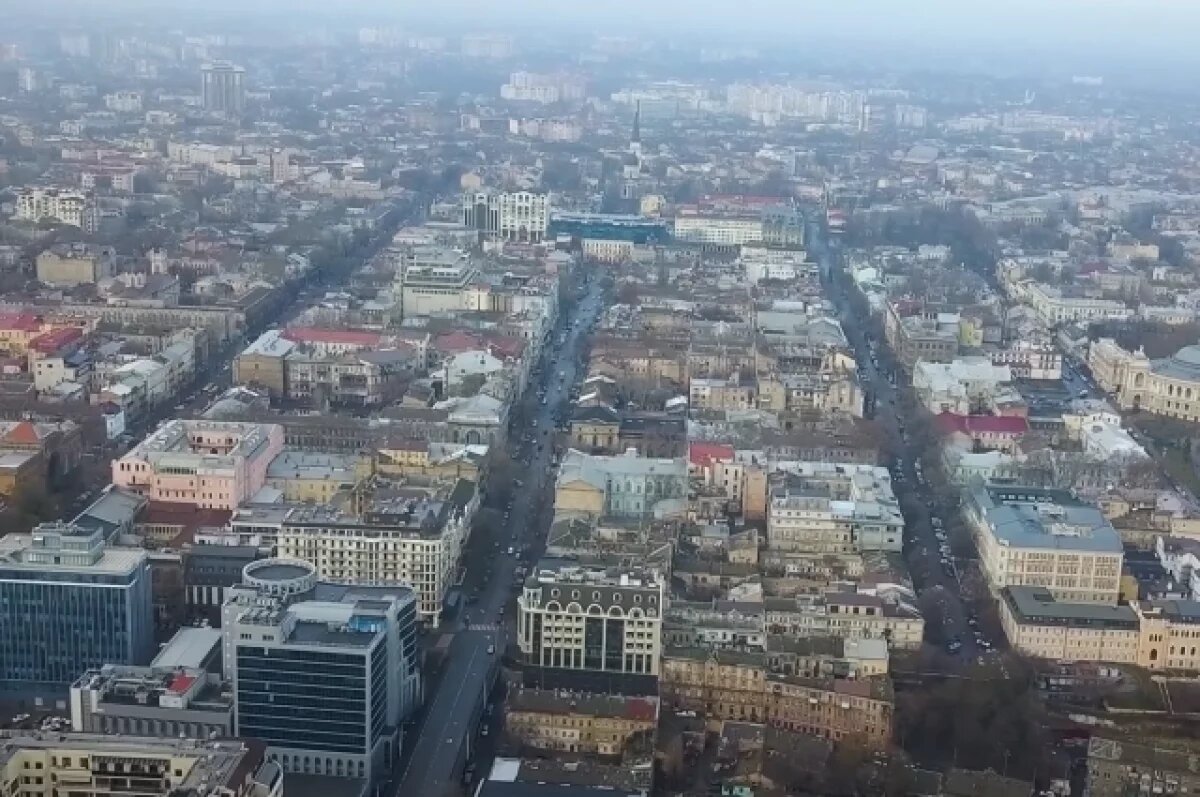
x,y
315,699
55,625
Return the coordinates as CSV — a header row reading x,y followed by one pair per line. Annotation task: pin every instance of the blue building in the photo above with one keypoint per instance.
x,y
609,227
323,673
68,603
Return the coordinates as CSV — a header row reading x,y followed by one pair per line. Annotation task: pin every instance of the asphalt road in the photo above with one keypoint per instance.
x,y
921,549
451,719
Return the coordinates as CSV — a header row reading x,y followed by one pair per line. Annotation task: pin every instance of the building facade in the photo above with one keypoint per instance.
x,y
819,507
106,766
579,723
510,215
65,207
578,618
323,674
1045,538
208,464
70,602
417,542
1169,386
223,88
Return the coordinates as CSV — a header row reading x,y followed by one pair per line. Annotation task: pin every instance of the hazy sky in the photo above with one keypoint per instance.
x,y
1161,30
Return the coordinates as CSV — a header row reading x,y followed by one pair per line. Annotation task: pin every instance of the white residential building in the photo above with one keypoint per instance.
x,y
511,215
66,207
717,230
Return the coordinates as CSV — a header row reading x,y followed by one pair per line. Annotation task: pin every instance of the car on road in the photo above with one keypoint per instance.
x,y
491,650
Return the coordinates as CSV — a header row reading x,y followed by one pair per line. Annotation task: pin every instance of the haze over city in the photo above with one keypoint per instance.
x,y
618,399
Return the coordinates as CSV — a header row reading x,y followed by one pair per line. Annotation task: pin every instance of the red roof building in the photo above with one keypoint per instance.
x,y
56,341
703,455
990,431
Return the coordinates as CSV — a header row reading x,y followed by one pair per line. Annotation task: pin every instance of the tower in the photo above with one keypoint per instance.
x,y
635,139
223,89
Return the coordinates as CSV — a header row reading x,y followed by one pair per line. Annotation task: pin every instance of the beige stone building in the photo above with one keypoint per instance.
x,y
1038,625
724,685
833,709
1029,536
574,722
1169,386
45,765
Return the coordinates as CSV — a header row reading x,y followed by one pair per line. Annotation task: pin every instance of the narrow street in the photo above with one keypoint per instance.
x,y
930,526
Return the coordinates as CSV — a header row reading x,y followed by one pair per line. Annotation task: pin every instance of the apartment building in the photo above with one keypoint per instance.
x,y
833,708
108,766
65,207
1055,308
588,618
1030,360
1045,538
849,615
717,684
724,231
821,507
208,464
324,674
1169,386
579,723
915,333
510,215
415,538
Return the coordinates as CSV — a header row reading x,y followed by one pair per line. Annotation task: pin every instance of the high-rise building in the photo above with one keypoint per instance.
x,y
223,88
513,216
70,602
323,673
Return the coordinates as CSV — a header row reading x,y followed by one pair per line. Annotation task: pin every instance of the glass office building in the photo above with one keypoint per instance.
x,y
323,673
68,603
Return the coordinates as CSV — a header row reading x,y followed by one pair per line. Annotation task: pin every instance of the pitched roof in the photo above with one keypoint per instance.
x,y
23,433
949,422
704,454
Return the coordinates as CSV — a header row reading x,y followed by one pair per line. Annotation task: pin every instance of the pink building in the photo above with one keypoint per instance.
x,y
208,464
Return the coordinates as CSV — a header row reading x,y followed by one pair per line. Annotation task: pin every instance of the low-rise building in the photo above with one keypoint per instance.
x,y
66,266
579,723
105,766
626,485
166,702
1119,766
1038,625
833,709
